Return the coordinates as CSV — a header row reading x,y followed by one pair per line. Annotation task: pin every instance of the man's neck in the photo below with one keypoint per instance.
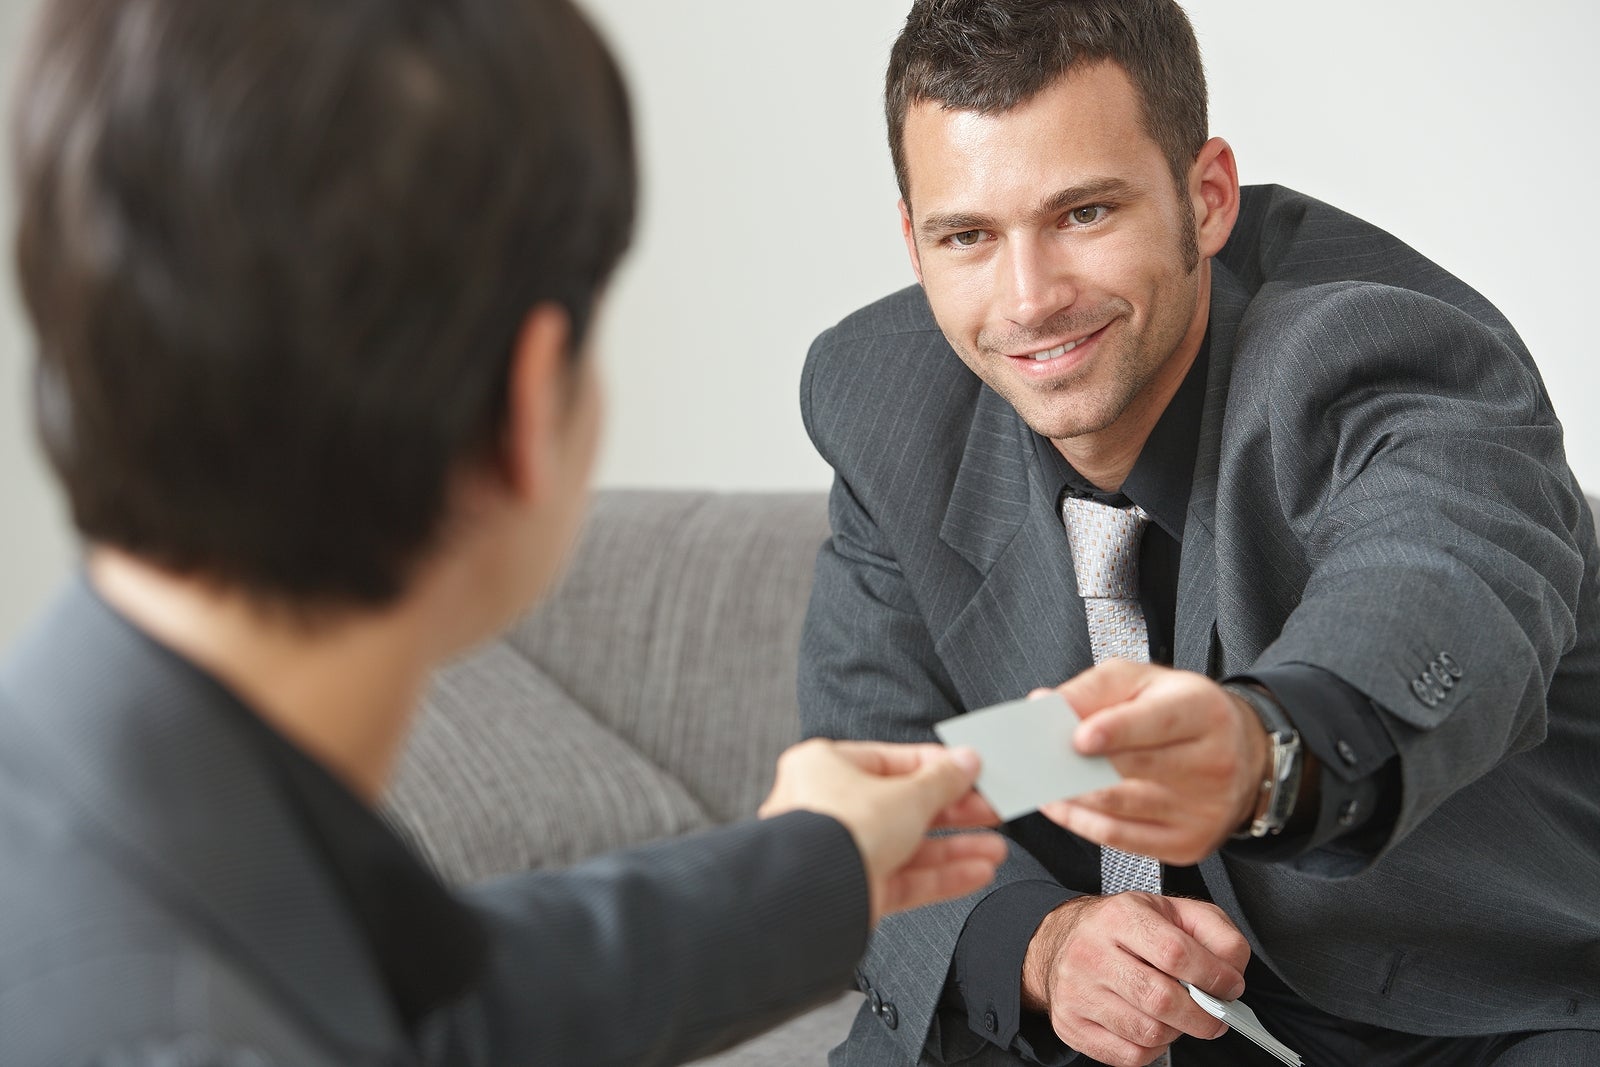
x,y
341,689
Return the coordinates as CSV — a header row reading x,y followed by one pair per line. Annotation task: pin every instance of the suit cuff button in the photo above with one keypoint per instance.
x,y
1348,812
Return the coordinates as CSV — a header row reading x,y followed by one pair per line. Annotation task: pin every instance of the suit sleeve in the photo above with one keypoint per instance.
x,y
664,953
1439,524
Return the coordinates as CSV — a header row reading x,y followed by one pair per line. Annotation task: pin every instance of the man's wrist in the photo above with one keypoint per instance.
x,y
1279,789
1046,945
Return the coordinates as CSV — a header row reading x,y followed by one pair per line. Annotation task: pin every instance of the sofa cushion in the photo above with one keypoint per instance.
x,y
505,772
678,626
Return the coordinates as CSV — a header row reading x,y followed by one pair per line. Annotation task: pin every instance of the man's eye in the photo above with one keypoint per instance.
x,y
966,238
1083,216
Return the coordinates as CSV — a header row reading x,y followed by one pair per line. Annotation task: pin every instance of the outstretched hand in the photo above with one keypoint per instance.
x,y
1191,756
889,796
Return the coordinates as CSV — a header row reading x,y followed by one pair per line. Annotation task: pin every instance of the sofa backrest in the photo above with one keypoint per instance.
x,y
650,694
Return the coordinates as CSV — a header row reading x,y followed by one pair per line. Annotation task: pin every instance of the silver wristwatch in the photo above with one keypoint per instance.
x,y
1278,792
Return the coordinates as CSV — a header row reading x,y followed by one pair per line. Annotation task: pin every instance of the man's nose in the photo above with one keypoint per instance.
x,y
1036,282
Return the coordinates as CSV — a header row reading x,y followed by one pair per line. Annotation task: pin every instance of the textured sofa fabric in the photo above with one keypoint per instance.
x,y
649,695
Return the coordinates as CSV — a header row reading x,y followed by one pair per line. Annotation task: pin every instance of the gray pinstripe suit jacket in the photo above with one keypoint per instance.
x,y
1380,479
161,905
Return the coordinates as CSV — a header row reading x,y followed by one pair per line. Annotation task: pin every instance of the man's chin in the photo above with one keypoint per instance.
x,y
1064,426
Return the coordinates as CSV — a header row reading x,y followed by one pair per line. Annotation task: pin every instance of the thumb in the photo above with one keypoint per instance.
x,y
1109,682
943,779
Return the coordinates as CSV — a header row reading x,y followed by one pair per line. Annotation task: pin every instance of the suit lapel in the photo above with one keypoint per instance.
x,y
1024,625
1195,641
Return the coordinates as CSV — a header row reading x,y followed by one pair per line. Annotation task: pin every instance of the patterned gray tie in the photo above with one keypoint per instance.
x,y
1105,554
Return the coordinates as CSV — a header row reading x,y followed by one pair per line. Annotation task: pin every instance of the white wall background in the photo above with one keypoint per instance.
x,y
1466,128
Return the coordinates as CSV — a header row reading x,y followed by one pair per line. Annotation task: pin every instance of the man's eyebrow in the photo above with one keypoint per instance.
x,y
937,225
1086,192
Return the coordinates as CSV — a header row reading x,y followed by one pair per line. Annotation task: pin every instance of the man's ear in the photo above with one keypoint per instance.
x,y
910,235
536,394
1214,191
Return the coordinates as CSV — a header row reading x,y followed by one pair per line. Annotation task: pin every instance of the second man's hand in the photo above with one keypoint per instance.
x,y
889,796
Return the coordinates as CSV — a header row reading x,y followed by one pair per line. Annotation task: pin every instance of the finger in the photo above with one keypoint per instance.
x,y
1161,841
1164,942
914,887
1135,800
944,778
889,758
1157,1011
1145,721
1104,685
1091,1038
968,811
1211,928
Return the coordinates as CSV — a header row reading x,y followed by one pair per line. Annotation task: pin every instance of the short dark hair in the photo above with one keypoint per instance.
x,y
991,55
277,254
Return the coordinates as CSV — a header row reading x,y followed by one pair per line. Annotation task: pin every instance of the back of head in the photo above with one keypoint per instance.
x,y
991,55
277,252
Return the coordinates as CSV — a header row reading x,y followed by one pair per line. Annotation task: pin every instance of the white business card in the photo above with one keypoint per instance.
x,y
1238,1016
1027,753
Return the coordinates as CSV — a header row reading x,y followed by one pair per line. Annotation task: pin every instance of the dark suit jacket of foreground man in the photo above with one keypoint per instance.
x,y
172,885
1380,479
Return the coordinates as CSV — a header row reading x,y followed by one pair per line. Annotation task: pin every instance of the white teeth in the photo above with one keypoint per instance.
x,y
1058,350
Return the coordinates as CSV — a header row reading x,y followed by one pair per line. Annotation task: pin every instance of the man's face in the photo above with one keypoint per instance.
x,y
1057,253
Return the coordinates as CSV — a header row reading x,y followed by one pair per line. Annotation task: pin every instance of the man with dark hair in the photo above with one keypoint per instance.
x,y
311,284
1286,503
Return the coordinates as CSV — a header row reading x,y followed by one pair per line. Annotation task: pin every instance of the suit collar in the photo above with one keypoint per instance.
x,y
161,772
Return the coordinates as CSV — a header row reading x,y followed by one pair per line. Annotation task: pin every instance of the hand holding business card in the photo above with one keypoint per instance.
x,y
1028,758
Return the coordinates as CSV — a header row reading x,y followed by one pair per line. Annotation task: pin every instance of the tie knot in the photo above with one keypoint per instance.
x,y
1105,547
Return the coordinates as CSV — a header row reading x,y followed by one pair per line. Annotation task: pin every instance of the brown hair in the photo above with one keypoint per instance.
x,y
991,55
276,254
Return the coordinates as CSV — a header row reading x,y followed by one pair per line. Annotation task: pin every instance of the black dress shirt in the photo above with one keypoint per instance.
x,y
428,947
1359,792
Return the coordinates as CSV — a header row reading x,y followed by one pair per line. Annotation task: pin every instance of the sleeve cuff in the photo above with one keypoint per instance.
x,y
986,976
1358,798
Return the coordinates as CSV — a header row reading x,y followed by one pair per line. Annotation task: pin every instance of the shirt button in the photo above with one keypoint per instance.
x,y
890,1017
1347,813
991,1021
1346,753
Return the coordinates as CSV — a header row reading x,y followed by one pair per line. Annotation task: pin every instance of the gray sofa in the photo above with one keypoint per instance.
x,y
649,695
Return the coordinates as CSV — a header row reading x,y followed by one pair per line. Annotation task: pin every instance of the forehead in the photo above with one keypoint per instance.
x,y
1085,127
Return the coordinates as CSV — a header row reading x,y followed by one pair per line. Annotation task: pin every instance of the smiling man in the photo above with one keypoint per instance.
x,y
1281,507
